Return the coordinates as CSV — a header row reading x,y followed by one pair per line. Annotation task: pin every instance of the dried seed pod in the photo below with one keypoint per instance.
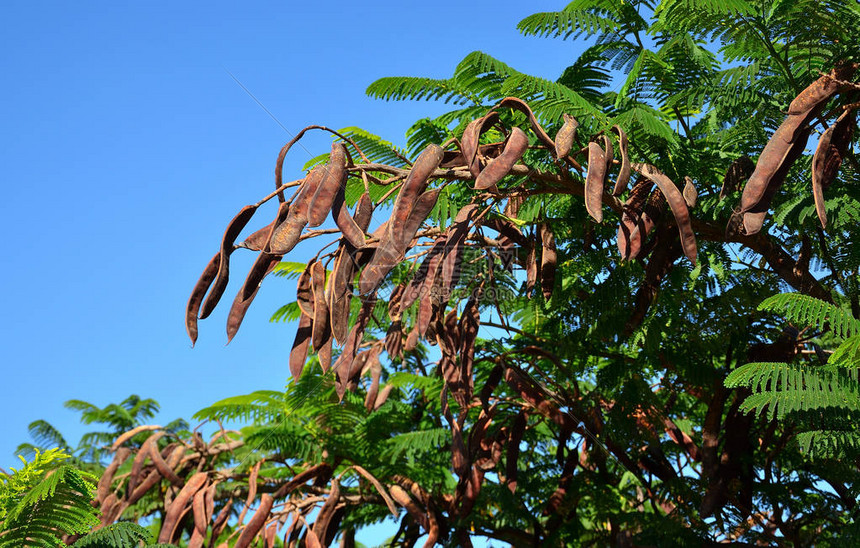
x,y
413,187
200,289
516,145
457,233
352,232
608,154
676,203
531,268
630,218
519,104
230,234
469,141
321,327
353,340
363,211
394,339
198,509
373,391
340,294
176,509
738,172
549,260
330,185
624,173
422,281
256,522
327,511
831,149
595,178
241,305
565,137
161,465
304,292
518,429
263,264
103,488
256,241
690,192
787,144
299,352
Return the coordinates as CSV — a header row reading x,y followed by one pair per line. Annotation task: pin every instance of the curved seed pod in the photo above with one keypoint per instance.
x,y
787,144
200,289
518,429
327,512
393,248
549,260
263,264
287,235
152,479
241,305
531,268
457,233
630,219
230,234
519,104
347,224
124,437
103,488
373,391
161,465
249,533
299,352
515,147
353,340
469,141
413,187
394,339
363,211
179,504
252,490
312,540
304,292
831,149
624,173
403,499
690,192
321,327
565,136
330,185
198,508
676,203
340,295
139,459
595,178
609,153
738,172
421,282
256,241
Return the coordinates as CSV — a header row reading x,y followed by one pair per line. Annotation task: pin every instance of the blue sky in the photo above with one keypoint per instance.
x,y
127,147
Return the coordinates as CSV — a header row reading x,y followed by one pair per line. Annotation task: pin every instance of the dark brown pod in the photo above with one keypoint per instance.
x,y
738,172
347,224
518,104
651,213
421,282
353,340
394,339
516,145
230,234
595,178
691,195
565,137
363,211
200,289
299,352
531,269
549,260
413,187
469,142
518,429
340,295
304,292
676,203
829,153
331,184
787,144
457,233
240,306
321,328
608,153
256,241
262,265
623,173
630,218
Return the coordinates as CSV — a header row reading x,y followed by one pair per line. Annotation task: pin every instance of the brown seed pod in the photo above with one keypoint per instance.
x,y
738,172
340,294
609,153
457,233
198,509
263,264
829,153
565,137
518,429
230,234
299,352
363,211
252,528
549,260
327,512
469,141
630,218
624,173
304,292
103,488
595,178
413,187
352,232
516,145
353,340
373,391
531,268
787,144
394,339
241,305
690,192
178,506
256,241
676,203
321,327
330,185
422,281
200,289
162,466
518,104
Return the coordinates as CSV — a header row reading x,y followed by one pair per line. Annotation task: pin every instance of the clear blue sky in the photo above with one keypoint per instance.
x,y
126,148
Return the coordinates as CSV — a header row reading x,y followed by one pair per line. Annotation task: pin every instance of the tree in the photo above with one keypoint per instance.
x,y
524,381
